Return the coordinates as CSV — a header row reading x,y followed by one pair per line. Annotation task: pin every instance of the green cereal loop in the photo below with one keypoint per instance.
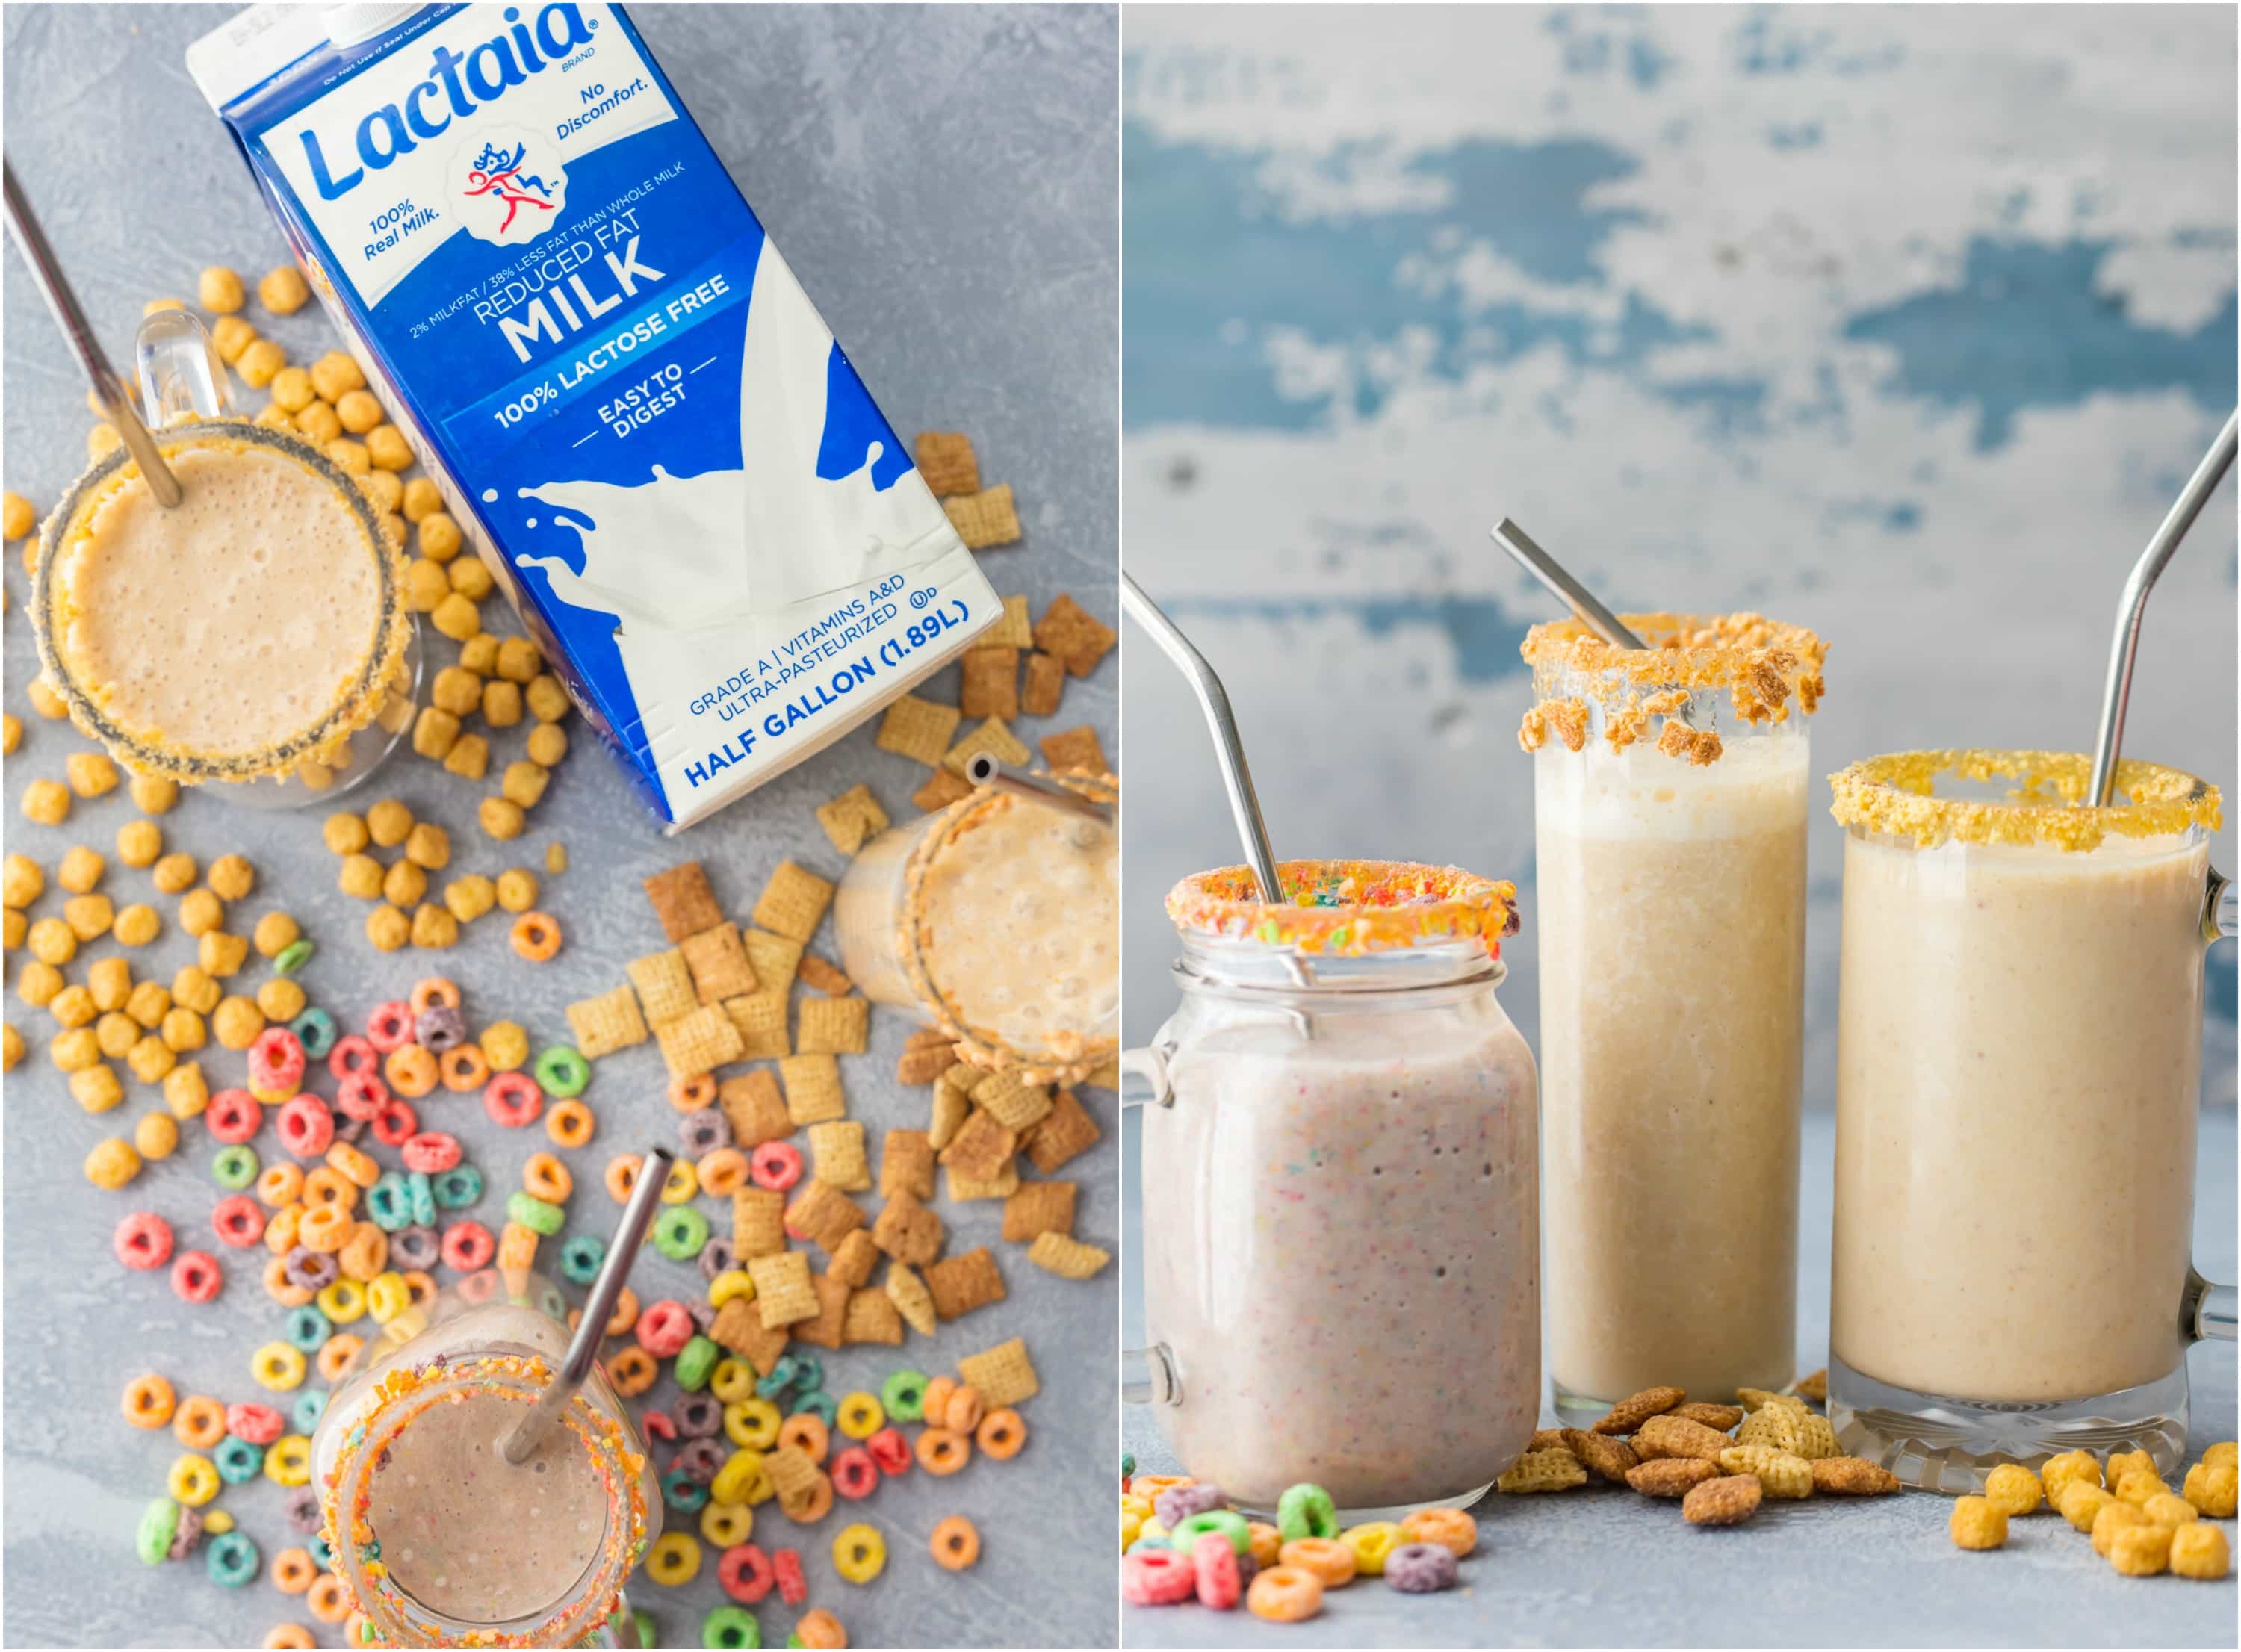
x,y
457,1188
695,1361
1228,1521
293,957
541,1216
580,1257
731,1626
315,1031
903,1394
561,1072
649,1632
232,1559
818,1403
1305,1510
680,1232
234,1167
158,1526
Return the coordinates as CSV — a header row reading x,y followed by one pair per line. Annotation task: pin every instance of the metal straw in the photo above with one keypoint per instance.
x,y
984,769
1213,700
62,302
2123,649
598,1307
1567,590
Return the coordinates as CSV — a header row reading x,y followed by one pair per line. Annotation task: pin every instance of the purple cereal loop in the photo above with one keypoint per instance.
x,y
190,1532
310,1269
702,1313
703,1131
302,1510
349,1129
697,1415
417,1246
440,1028
701,1458
1177,1503
718,1256
1421,1569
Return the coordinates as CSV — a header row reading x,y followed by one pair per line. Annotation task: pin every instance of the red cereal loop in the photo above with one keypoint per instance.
x,y
143,1241
657,1425
276,1060
478,1289
855,1475
513,1099
352,1055
776,1165
233,1116
1214,1571
395,1123
785,1569
664,1328
258,1424
362,1095
239,1221
306,1127
196,1277
431,1150
1157,1576
890,1450
745,1574
390,1027
468,1246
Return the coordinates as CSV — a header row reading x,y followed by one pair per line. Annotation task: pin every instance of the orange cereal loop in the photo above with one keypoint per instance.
x,y
293,1570
280,1227
410,1071
568,1123
690,1095
335,1354
545,1177
805,1430
280,1184
1285,1594
723,1172
199,1423
1150,1485
625,1313
435,991
289,1635
328,1600
149,1401
1000,1433
419,1286
961,1411
1451,1528
956,1543
366,1254
280,1288
940,1452
632,1369
356,1168
621,1177
536,937
820,1629
464,1066
935,1403
1267,1543
1331,1563
325,1228
324,1185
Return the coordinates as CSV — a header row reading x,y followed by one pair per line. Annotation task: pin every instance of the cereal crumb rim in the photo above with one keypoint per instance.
x,y
1893,795
1347,908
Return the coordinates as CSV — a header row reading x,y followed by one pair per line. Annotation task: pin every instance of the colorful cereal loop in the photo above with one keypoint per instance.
x,y
1157,1577
744,1573
1281,1595
859,1552
632,1371
820,1629
149,1401
674,1560
956,1543
941,1453
569,1124
1001,1435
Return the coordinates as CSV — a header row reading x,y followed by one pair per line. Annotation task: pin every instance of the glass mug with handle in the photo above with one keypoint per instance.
x,y
1340,1238
254,638
2019,1056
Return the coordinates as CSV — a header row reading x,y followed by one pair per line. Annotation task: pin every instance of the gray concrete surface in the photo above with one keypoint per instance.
x,y
943,182
1610,1568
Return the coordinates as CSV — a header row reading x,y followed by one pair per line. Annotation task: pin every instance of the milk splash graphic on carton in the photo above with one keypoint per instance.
x,y
584,332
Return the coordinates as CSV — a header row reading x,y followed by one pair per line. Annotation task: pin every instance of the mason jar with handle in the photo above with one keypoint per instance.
x,y
1339,1236
2019,1055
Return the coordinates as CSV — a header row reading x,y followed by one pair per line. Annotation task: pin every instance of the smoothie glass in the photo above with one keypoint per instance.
x,y
1669,790
2019,1054
997,920
1341,1243
486,1544
348,649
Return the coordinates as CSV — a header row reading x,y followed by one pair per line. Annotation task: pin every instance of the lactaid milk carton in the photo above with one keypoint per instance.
x,y
583,330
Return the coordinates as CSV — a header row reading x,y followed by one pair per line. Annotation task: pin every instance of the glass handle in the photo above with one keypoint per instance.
x,y
2207,1313
2221,909
1148,1376
1144,1080
179,372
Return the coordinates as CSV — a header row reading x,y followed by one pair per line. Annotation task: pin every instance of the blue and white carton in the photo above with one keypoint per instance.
x,y
588,340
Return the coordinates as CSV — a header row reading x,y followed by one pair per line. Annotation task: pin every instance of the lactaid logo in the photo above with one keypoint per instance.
x,y
457,84
505,187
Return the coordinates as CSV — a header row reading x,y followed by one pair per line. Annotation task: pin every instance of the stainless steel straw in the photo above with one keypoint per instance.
x,y
1567,590
2123,649
107,389
598,1307
984,769
1213,700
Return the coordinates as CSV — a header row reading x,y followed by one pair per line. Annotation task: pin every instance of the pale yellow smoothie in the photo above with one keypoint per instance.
x,y
2018,1065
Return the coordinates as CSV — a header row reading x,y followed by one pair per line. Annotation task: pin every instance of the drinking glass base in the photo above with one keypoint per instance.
x,y
1941,1444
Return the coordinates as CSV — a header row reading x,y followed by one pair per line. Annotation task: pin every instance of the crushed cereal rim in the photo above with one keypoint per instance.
x,y
383,675
1744,664
1895,795
1347,908
1070,1056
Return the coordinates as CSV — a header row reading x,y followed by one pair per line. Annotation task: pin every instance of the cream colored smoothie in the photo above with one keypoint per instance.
x,y
1670,878
998,919
234,633
2018,1068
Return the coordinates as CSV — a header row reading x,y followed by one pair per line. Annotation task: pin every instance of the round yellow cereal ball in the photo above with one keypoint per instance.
x,y
361,877
152,795
501,702
504,1045
523,783
479,654
1977,1524
150,1059
231,878
2169,1508
157,306
193,986
220,291
2211,1486
274,416
434,927
428,844
96,1087
274,931
45,701
283,290
2142,1550
157,1136
39,983
260,363
422,497
236,1022
111,1164
388,822
556,856
74,1050
385,488
11,732
516,889
16,517
80,869
21,880
425,585
149,1001
469,578
52,942
439,537
2013,1489
470,897
13,927
201,912
11,1048
519,659
547,701
2112,1518
88,916
317,424
347,454
92,773
183,1030
456,617
386,448
359,411
72,1006
404,884
2200,1551
548,744
46,802
139,843
502,818
117,1032
230,335
175,873
337,374
281,999
387,929
456,690
344,833
222,954
434,732
291,390
138,924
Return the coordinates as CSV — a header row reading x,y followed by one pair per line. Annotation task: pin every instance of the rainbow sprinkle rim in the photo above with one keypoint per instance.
x,y
1345,908
1892,794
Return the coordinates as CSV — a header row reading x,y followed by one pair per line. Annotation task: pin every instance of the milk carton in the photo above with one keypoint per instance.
x,y
589,341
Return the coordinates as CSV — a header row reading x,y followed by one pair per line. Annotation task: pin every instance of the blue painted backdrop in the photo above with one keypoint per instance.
x,y
1905,323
